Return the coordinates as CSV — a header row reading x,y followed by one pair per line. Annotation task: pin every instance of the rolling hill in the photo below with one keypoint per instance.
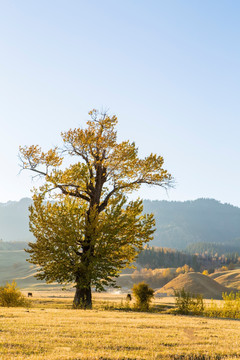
x,y
13,266
230,278
195,283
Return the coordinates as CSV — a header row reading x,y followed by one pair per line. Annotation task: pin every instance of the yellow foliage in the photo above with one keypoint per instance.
x,y
11,296
184,269
224,268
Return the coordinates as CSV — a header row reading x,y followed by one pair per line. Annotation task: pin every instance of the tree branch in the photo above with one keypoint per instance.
x,y
138,181
72,193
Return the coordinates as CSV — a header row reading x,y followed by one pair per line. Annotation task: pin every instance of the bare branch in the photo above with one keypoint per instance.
x,y
72,193
115,189
39,172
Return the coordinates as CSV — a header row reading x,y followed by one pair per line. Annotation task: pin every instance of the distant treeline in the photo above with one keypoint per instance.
x,y
214,249
199,256
179,224
15,245
157,258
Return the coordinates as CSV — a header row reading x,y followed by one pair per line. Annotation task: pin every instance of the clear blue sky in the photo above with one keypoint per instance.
x,y
170,71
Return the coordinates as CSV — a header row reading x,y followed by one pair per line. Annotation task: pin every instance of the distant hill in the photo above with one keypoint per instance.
x,y
14,220
231,247
13,266
178,224
204,220
230,278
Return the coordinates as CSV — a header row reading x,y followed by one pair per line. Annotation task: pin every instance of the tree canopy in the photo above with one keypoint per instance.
x,y
86,231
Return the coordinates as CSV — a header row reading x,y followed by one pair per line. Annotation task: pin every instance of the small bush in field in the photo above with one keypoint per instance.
x,y
229,307
143,294
213,310
224,268
11,296
188,303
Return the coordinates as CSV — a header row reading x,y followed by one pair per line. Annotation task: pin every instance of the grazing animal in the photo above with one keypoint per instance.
x,y
29,294
129,297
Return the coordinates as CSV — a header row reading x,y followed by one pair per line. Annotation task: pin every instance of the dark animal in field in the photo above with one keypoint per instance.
x,y
29,294
129,297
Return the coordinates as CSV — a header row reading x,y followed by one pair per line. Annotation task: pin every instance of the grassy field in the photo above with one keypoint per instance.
x,y
51,330
229,278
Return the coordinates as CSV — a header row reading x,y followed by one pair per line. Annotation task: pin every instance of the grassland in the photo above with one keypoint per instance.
x,y
230,278
51,330
196,283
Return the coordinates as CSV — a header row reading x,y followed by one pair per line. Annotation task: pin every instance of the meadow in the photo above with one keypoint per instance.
x,y
51,330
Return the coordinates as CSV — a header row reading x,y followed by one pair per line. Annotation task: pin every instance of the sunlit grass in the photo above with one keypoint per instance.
x,y
47,332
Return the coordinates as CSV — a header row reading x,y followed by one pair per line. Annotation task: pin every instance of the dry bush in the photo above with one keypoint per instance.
x,y
143,294
230,307
11,296
188,303
224,268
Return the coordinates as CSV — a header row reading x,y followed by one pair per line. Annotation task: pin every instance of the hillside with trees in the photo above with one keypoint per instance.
x,y
195,226
179,224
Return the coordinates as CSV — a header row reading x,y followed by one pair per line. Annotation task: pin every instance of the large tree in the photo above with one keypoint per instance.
x,y
85,229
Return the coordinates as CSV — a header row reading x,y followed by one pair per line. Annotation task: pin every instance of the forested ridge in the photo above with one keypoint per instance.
x,y
157,258
195,226
214,248
179,224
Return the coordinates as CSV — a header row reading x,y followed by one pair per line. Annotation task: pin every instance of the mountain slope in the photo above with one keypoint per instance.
x,y
178,224
14,220
204,220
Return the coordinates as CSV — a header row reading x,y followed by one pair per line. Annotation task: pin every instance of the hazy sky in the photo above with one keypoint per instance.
x,y
170,71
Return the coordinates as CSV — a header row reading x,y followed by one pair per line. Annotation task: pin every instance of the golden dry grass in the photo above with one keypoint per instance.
x,y
195,283
47,333
230,278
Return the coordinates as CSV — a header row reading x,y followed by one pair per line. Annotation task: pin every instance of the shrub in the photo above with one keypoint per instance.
x,y
228,308
197,307
143,294
188,303
205,272
231,305
213,310
11,296
184,269
224,268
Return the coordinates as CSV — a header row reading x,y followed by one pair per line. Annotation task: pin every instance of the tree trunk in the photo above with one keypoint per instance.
x,y
83,298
